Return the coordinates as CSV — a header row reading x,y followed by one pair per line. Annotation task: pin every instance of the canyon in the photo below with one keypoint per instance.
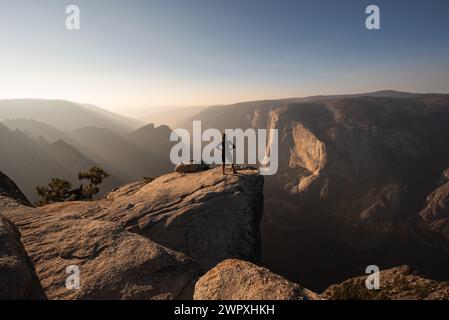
x,y
360,182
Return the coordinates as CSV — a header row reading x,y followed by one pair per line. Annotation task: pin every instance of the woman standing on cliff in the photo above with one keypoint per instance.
x,y
226,155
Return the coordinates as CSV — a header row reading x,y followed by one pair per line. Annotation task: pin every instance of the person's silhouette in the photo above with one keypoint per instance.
x,y
226,147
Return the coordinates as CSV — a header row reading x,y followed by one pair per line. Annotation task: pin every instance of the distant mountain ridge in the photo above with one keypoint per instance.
x,y
269,103
65,115
170,116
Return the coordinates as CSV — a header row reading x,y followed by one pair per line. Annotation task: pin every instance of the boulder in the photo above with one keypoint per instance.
x,y
240,280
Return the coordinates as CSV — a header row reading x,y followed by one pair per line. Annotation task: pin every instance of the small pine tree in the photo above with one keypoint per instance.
x,y
96,177
56,191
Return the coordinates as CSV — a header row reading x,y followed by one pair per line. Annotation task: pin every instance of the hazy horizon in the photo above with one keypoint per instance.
x,y
129,57
155,109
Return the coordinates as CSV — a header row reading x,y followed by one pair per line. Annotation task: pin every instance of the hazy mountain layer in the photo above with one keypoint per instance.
x,y
65,115
27,162
56,153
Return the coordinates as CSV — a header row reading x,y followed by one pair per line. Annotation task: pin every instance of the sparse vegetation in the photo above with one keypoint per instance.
x,y
96,177
56,191
59,190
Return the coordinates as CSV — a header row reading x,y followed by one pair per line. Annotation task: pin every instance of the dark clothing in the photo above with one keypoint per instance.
x,y
223,151
226,151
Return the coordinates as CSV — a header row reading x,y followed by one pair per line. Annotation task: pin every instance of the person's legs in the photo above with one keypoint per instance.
x,y
233,168
223,168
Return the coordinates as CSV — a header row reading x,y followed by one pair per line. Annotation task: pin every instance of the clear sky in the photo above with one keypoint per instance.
x,y
137,54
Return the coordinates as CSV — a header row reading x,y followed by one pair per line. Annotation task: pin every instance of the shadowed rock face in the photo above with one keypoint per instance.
x,y
18,279
395,284
124,244
17,276
8,189
240,280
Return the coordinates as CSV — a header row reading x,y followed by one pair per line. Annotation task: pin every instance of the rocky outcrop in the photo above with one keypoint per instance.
x,y
436,211
18,279
144,240
208,216
240,280
8,189
395,284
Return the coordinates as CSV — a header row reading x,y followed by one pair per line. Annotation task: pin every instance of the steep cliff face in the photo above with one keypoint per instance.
x,y
436,212
365,159
307,153
144,240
